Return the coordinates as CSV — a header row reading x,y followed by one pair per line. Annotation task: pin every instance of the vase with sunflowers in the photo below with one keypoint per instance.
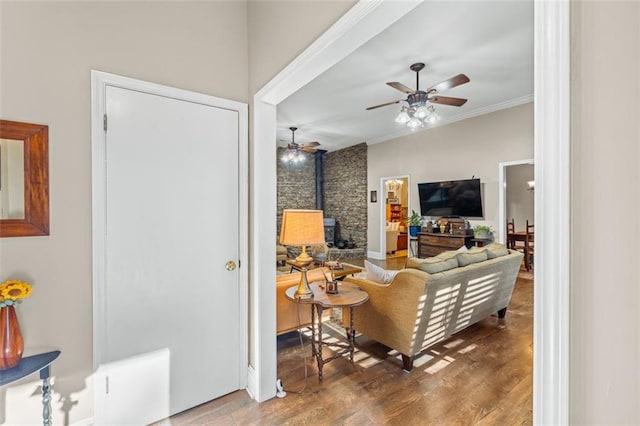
x,y
11,343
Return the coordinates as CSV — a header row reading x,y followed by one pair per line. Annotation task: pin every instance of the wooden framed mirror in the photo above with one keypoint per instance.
x,y
24,199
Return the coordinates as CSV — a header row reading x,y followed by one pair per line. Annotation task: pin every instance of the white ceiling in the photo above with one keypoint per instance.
x,y
490,42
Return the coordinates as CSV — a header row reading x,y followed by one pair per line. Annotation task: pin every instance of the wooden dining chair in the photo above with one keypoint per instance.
x,y
529,246
511,228
516,240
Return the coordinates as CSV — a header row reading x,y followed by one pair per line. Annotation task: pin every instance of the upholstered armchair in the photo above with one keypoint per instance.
x,y
392,236
320,253
281,253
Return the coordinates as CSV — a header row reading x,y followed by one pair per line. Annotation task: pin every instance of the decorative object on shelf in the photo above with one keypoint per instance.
x,y
442,224
350,243
294,150
302,228
482,232
419,110
415,223
330,284
334,265
331,287
11,342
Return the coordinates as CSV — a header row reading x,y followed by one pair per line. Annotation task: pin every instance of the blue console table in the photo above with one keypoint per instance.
x,y
29,365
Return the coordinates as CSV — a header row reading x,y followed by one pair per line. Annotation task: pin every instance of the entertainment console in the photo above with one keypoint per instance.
x,y
431,243
450,235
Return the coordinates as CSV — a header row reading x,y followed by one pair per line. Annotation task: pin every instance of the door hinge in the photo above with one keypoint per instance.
x,y
106,383
104,122
238,263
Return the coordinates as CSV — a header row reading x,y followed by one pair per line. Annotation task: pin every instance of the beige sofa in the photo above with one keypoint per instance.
x,y
418,308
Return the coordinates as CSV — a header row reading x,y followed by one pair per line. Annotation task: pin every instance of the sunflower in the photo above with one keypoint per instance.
x,y
14,290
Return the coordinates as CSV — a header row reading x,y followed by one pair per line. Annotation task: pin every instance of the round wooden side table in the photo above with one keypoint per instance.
x,y
348,296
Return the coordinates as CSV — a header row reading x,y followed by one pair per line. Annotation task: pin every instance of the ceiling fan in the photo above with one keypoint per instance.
x,y
306,147
293,149
419,108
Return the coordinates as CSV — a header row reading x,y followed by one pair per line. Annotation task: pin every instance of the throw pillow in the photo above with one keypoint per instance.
x,y
496,250
432,265
473,255
378,274
463,249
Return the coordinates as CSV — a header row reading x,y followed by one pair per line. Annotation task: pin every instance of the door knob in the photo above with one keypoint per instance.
x,y
230,265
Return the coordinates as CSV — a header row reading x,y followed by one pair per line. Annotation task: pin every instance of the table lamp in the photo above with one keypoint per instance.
x,y
302,228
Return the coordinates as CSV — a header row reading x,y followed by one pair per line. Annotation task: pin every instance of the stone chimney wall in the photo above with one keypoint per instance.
x,y
296,185
345,192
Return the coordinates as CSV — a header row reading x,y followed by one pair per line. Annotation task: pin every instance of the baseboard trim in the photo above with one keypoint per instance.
x,y
376,255
84,422
252,382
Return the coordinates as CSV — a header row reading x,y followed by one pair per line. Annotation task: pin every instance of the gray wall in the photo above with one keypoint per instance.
x,y
460,150
605,184
47,50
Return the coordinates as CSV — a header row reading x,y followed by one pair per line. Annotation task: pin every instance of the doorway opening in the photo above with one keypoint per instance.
x,y
395,192
516,180
552,113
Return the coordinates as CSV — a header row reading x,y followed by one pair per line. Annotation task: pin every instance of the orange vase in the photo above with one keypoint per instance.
x,y
11,343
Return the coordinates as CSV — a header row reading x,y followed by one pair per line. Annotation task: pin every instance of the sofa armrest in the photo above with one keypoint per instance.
x,y
392,312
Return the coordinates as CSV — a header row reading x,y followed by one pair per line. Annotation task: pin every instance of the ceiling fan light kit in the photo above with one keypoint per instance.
x,y
292,156
294,150
420,110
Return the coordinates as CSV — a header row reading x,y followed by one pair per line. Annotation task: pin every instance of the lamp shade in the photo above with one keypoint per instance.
x,y
302,227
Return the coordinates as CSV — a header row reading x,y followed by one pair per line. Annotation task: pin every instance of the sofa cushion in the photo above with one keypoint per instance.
x,y
473,255
432,265
378,274
446,255
496,250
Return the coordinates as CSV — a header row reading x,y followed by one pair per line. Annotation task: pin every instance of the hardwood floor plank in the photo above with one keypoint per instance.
x,y
480,376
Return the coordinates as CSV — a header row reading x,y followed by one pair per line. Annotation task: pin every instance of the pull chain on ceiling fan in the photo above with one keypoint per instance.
x,y
293,149
419,109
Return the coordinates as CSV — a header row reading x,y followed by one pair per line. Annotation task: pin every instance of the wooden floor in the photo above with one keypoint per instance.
x,y
480,376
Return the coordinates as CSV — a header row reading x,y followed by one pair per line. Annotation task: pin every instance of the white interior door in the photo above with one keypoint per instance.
x,y
171,336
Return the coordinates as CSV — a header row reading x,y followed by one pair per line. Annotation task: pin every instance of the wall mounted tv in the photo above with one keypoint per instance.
x,y
451,198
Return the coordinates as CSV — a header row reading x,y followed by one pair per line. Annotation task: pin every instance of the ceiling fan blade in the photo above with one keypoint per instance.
x,y
385,104
314,143
401,87
307,149
450,83
446,100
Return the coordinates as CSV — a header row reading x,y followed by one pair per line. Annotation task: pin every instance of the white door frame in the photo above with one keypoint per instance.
x,y
99,82
502,195
552,118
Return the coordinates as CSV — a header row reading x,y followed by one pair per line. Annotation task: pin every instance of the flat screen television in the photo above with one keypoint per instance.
x,y
451,198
